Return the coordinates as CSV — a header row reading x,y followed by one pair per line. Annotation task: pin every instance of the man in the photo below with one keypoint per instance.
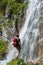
x,y
16,43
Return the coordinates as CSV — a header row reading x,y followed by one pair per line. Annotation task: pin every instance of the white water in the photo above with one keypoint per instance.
x,y
30,31
28,34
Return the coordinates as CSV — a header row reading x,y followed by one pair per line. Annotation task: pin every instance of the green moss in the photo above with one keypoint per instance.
x,y
3,46
17,62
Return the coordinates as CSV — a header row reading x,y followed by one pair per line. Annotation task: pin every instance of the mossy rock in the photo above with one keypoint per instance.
x,y
17,62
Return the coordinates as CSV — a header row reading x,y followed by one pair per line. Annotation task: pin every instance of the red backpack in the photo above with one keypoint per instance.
x,y
15,42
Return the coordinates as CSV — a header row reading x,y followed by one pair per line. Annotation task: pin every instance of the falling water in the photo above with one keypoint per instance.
x,y
30,31
28,34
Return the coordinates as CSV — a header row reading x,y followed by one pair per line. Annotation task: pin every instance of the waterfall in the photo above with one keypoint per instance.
x,y
30,31
28,34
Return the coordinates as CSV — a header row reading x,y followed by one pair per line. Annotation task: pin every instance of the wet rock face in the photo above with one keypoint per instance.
x,y
40,47
41,30
30,63
40,39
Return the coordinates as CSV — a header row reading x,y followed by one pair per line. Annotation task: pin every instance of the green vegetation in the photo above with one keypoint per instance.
x,y
3,46
11,8
41,64
17,62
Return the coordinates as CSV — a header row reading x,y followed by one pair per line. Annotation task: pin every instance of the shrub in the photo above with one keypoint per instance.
x,y
17,62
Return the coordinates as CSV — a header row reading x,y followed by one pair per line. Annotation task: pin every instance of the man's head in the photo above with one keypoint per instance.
x,y
17,35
